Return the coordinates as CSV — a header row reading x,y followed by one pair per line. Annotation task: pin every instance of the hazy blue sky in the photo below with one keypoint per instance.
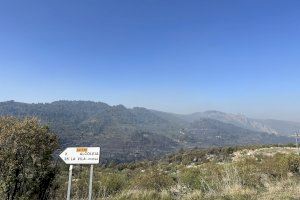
x,y
180,56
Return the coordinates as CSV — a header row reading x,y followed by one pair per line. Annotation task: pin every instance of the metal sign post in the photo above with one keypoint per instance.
x,y
91,182
81,155
70,182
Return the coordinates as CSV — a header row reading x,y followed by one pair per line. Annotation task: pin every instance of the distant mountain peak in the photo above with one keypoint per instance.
x,y
213,112
120,106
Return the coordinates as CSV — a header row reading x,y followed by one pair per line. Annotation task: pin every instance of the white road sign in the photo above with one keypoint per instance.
x,y
81,155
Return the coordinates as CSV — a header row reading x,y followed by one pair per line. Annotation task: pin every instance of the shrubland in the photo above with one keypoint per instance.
x,y
219,173
29,170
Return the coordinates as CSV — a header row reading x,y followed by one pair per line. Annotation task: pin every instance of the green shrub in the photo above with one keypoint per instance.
x,y
280,165
249,172
204,177
26,163
111,183
152,180
293,163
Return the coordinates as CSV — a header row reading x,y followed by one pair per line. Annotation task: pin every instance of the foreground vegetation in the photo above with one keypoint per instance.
x,y
28,171
219,173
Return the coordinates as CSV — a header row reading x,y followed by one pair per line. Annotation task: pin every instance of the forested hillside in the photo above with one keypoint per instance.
x,y
130,134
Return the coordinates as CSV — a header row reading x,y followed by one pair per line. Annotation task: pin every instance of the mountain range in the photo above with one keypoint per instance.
x,y
126,134
278,127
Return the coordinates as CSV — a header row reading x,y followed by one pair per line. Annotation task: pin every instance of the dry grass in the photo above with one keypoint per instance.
x,y
287,189
263,152
281,190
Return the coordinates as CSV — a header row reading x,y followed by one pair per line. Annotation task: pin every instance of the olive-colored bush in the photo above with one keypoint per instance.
x,y
249,172
152,180
111,183
26,167
205,177
279,165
